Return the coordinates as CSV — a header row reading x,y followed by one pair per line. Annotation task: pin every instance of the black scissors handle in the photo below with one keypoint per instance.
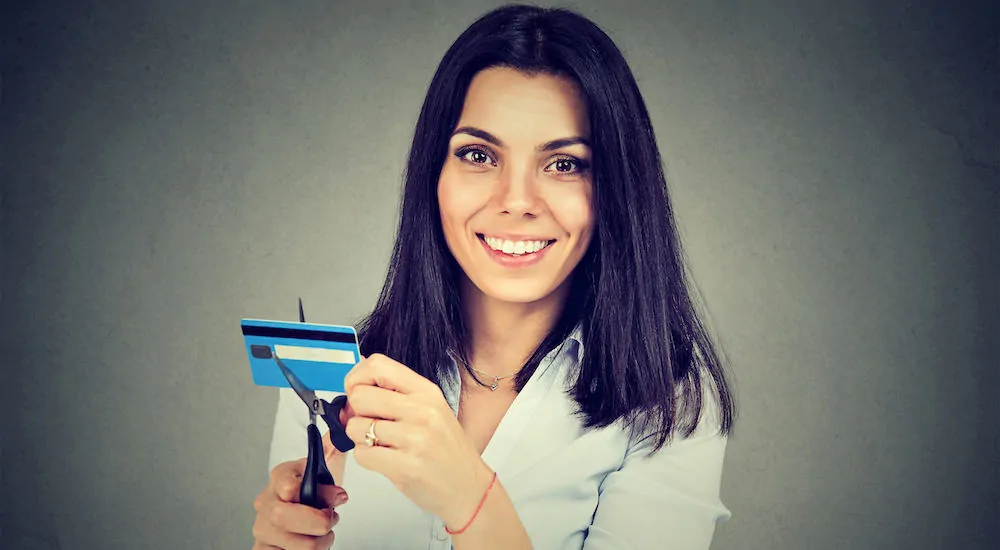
x,y
338,433
316,472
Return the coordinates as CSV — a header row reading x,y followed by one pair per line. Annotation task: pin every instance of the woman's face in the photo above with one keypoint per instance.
x,y
515,189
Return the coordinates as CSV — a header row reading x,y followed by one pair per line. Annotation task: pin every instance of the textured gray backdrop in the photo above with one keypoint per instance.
x,y
172,166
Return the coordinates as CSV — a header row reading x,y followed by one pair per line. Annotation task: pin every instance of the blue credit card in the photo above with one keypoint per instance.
x,y
320,355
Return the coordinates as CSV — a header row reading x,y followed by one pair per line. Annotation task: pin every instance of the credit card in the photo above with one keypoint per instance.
x,y
320,355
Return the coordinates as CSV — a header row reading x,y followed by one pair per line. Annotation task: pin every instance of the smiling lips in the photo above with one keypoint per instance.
x,y
510,252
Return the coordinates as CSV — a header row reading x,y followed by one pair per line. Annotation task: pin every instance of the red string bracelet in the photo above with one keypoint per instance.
x,y
478,508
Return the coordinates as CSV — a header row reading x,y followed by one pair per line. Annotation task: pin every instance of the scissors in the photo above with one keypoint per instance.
x,y
316,471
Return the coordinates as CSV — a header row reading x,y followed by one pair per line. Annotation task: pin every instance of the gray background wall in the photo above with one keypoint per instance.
x,y
172,166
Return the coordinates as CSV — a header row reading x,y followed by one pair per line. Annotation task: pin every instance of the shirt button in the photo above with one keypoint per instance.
x,y
439,532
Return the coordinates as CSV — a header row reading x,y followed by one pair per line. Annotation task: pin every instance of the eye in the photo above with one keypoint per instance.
x,y
567,165
475,155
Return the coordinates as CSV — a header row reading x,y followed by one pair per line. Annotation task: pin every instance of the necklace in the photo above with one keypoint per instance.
x,y
496,379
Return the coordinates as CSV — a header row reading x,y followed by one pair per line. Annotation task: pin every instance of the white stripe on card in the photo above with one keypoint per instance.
x,y
320,355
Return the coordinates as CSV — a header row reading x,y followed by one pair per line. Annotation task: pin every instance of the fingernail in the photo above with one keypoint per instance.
x,y
340,499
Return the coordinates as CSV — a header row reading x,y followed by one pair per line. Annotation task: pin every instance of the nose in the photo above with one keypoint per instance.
x,y
517,192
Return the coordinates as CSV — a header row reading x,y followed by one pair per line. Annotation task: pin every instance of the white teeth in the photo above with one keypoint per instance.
x,y
515,248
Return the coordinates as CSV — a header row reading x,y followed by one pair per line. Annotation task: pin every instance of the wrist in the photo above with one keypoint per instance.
x,y
495,526
471,500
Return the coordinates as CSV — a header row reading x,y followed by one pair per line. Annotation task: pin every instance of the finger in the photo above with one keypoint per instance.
x,y
332,495
336,461
268,535
376,402
384,460
384,372
293,541
326,541
285,469
298,519
389,433
346,412
329,449
287,488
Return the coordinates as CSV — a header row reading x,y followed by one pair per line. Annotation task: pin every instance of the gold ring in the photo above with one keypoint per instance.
x,y
370,438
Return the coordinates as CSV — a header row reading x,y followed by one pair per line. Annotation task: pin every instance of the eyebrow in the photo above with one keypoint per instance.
x,y
548,146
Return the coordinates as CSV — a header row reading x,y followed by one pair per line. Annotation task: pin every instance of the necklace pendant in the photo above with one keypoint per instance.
x,y
493,386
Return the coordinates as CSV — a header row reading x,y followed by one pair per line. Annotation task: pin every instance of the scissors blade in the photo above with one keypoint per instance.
x,y
305,394
302,316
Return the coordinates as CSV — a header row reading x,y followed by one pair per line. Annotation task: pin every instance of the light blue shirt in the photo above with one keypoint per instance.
x,y
572,489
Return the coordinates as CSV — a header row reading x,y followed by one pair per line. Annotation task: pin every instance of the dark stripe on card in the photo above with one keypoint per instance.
x,y
298,334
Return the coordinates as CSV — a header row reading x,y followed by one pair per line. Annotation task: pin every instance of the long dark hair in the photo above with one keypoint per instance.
x,y
645,347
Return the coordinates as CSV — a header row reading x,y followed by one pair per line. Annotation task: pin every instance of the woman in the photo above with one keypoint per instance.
x,y
535,372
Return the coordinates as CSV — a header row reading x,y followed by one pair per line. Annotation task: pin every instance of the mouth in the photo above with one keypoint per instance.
x,y
515,249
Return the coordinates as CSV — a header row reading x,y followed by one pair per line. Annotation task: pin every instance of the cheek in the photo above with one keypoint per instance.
x,y
574,213
447,202
457,205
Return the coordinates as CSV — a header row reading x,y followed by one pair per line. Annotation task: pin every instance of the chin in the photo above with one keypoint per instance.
x,y
517,291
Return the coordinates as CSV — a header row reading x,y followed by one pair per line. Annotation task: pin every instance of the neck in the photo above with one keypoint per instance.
x,y
502,335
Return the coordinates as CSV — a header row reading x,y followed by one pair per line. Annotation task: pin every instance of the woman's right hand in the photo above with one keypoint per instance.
x,y
284,523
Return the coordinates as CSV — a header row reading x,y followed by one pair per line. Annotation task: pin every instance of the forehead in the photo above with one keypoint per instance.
x,y
517,107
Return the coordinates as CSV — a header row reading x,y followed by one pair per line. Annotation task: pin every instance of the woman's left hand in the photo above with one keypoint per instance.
x,y
421,446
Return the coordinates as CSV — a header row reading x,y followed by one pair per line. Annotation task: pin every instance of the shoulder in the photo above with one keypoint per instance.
x,y
699,416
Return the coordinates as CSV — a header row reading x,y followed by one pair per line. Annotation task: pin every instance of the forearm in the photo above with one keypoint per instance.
x,y
497,525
